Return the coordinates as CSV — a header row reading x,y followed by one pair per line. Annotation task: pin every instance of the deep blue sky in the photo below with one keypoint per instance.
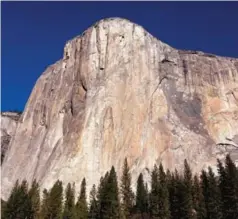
x,y
34,33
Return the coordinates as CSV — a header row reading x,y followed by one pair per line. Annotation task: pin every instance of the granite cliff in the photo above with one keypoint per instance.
x,y
120,92
9,122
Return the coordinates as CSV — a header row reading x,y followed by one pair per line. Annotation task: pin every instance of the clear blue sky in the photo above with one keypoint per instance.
x,y
34,33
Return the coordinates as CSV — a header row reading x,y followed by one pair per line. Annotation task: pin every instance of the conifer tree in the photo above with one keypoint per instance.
x,y
69,203
214,197
34,194
110,205
19,203
3,205
126,191
141,197
101,194
187,210
198,199
147,201
211,194
174,195
10,205
55,200
164,209
229,188
81,207
93,210
154,194
45,211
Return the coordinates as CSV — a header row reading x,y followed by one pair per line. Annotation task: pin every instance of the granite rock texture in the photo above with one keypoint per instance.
x,y
8,127
120,92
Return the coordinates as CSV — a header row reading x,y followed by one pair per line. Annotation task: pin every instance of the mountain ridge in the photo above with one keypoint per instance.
x,y
120,92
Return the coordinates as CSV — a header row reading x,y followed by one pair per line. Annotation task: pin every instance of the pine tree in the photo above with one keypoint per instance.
x,y
81,207
211,194
154,194
164,209
214,197
3,205
110,205
100,194
187,210
45,211
19,204
69,203
174,195
229,188
34,194
55,200
126,191
198,199
141,197
93,210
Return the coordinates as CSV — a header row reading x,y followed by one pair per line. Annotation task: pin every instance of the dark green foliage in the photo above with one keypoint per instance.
x,y
180,194
34,194
198,199
164,209
141,196
154,194
93,210
172,196
228,183
126,192
187,210
55,201
45,210
69,203
109,201
99,196
159,196
3,205
211,195
81,207
18,205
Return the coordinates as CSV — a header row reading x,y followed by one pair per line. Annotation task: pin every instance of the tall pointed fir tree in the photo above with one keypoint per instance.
x,y
187,211
228,182
141,197
110,205
19,204
214,197
45,210
164,209
154,194
198,199
100,195
55,200
126,192
174,195
34,194
69,203
93,209
211,195
81,207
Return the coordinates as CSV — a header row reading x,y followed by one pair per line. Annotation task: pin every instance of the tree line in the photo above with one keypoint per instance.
x,y
172,195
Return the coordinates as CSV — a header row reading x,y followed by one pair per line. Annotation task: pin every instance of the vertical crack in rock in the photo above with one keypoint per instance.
x,y
97,105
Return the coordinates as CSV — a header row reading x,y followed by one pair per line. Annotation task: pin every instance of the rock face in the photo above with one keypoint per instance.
x,y
120,92
9,122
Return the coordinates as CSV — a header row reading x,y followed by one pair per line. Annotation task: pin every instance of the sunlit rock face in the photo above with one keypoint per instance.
x,y
8,127
120,92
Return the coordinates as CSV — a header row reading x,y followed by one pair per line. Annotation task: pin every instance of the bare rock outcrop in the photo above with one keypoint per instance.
x,y
120,92
9,122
